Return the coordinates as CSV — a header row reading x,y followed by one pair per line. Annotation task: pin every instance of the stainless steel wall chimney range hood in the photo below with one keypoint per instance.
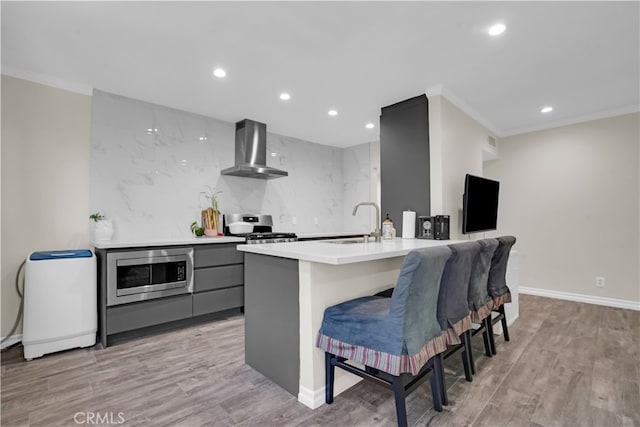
x,y
251,152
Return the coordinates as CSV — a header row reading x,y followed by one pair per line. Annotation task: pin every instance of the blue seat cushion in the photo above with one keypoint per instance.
x,y
364,322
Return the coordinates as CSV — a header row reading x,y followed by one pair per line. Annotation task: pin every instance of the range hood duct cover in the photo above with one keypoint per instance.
x,y
251,152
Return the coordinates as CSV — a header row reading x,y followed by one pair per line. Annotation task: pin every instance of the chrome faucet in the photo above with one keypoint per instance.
x,y
376,233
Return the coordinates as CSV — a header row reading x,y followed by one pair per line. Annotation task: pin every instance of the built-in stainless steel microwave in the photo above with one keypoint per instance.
x,y
145,274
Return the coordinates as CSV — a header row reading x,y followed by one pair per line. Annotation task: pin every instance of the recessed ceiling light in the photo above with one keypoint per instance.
x,y
546,109
369,126
219,72
332,113
203,138
497,29
285,96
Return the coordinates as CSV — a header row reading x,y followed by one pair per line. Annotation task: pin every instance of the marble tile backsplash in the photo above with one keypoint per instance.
x,y
152,166
357,187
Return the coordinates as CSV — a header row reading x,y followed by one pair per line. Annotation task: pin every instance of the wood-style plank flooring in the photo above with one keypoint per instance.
x,y
567,364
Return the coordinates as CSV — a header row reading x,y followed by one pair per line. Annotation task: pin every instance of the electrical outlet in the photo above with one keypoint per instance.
x,y
294,220
599,281
315,220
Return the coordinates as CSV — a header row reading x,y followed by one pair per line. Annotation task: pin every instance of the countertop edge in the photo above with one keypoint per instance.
x,y
328,234
114,244
350,259
287,250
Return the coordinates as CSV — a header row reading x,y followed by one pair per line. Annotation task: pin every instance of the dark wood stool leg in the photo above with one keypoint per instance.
x,y
466,361
329,369
438,376
505,328
472,359
492,341
398,393
436,394
485,337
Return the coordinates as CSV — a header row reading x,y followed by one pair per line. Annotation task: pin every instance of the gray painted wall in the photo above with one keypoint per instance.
x,y
404,159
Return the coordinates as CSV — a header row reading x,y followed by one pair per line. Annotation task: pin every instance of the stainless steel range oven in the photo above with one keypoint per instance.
x,y
262,229
139,275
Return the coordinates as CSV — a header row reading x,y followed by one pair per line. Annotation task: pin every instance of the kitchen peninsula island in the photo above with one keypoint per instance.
x,y
287,288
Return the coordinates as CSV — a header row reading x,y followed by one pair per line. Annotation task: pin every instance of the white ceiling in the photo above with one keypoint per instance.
x,y
356,57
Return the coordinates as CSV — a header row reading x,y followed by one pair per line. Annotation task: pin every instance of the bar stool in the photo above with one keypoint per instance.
x,y
497,286
480,302
454,315
398,339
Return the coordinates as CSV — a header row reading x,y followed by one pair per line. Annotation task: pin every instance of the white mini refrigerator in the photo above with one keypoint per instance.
x,y
60,302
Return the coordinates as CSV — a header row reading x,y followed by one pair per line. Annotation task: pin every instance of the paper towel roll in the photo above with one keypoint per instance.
x,y
408,225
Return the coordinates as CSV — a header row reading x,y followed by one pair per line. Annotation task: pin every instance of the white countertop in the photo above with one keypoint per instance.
x,y
329,234
114,244
204,240
333,253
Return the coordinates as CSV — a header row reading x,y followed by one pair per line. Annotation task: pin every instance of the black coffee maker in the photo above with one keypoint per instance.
x,y
433,227
441,227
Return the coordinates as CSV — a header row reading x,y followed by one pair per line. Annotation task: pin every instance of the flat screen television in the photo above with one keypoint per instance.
x,y
479,204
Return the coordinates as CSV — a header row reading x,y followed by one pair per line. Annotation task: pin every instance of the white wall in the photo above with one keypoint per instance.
x,y
45,177
571,197
456,142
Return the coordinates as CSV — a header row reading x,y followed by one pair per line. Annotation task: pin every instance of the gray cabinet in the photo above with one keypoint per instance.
x,y
128,317
220,300
218,278
218,286
272,319
208,279
216,254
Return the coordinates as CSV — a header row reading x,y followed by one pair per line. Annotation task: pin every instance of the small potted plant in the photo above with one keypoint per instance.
x,y
197,231
211,216
102,227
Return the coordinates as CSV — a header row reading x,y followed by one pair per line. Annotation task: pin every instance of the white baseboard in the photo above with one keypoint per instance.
x,y
310,398
13,339
588,299
316,398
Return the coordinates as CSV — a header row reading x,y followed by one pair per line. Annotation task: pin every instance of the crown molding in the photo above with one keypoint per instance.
x,y
572,120
441,90
48,80
434,90
463,106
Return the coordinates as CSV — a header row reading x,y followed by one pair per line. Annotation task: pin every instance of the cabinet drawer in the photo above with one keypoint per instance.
x,y
148,313
217,254
223,299
207,279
